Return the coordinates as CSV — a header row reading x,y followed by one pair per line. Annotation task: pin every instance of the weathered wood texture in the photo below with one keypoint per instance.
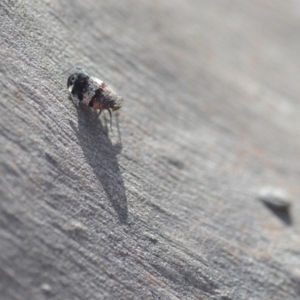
x,y
166,207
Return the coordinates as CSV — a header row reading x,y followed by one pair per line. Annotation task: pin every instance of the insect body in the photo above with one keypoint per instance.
x,y
94,93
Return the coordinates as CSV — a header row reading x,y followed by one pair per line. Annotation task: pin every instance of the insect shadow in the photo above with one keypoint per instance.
x,y
101,155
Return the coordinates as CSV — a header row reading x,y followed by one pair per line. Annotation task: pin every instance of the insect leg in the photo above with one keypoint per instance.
x,y
110,118
97,116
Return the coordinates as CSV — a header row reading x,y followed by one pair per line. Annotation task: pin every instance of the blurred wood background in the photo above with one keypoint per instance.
x,y
165,206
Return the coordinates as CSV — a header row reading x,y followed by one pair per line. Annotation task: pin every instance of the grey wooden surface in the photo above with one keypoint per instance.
x,y
165,206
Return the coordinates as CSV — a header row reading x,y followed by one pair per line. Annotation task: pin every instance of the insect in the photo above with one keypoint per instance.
x,y
94,93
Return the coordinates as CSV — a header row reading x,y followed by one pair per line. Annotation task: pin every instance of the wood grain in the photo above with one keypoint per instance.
x,y
166,205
